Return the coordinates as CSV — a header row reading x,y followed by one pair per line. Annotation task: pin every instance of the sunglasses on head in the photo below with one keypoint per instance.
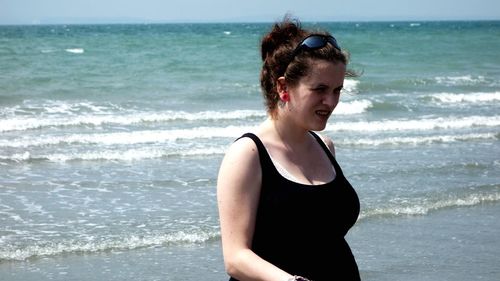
x,y
315,41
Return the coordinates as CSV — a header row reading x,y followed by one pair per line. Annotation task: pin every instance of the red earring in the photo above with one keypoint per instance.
x,y
285,97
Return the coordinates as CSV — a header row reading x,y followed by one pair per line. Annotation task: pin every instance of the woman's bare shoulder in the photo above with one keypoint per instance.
x,y
329,143
244,148
240,161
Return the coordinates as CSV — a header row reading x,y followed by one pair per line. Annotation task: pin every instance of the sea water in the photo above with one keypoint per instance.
x,y
111,137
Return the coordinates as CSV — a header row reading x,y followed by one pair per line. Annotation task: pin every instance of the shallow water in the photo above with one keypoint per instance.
x,y
111,137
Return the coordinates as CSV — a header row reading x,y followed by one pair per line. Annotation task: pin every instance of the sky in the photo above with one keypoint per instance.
x,y
153,11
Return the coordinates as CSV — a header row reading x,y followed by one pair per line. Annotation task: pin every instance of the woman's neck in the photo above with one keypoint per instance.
x,y
284,133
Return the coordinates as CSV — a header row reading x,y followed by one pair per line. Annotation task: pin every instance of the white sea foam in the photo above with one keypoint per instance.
x,y
418,140
419,124
426,206
17,157
130,154
163,136
92,245
350,86
168,136
467,98
460,80
63,115
353,107
151,152
27,123
134,137
75,50
122,154
47,51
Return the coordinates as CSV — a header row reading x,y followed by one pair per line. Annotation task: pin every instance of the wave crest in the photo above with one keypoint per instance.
x,y
95,245
426,206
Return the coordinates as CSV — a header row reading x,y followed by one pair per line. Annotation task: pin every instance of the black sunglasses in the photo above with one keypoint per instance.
x,y
315,41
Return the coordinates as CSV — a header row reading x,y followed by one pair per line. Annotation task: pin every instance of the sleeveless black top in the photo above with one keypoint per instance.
x,y
300,228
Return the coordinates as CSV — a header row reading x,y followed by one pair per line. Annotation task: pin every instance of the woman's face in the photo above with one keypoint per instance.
x,y
316,95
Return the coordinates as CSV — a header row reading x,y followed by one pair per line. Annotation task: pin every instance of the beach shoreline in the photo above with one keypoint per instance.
x,y
413,247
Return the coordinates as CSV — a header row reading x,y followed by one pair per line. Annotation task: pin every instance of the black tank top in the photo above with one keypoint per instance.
x,y
300,228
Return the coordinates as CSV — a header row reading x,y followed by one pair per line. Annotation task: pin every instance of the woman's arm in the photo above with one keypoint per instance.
x,y
238,190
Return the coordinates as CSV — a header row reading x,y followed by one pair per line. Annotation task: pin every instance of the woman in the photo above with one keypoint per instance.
x,y
284,203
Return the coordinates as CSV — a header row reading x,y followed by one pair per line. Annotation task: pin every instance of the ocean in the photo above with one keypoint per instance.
x,y
111,138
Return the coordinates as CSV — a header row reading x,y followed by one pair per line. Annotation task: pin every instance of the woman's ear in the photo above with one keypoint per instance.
x,y
282,88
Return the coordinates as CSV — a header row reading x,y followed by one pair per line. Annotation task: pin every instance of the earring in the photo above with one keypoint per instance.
x,y
285,97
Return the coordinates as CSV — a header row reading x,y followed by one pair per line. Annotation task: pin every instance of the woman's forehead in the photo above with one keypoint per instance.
x,y
326,71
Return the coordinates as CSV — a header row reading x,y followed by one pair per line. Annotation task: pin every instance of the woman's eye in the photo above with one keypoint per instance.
x,y
320,90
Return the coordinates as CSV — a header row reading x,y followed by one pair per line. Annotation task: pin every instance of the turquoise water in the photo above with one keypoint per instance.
x,y
111,137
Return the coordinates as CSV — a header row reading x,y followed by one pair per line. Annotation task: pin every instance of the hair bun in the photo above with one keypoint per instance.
x,y
282,34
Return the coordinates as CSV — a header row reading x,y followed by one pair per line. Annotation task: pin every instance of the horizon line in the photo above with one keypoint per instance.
x,y
103,21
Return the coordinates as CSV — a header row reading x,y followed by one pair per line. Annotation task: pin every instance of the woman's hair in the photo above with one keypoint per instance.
x,y
279,60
